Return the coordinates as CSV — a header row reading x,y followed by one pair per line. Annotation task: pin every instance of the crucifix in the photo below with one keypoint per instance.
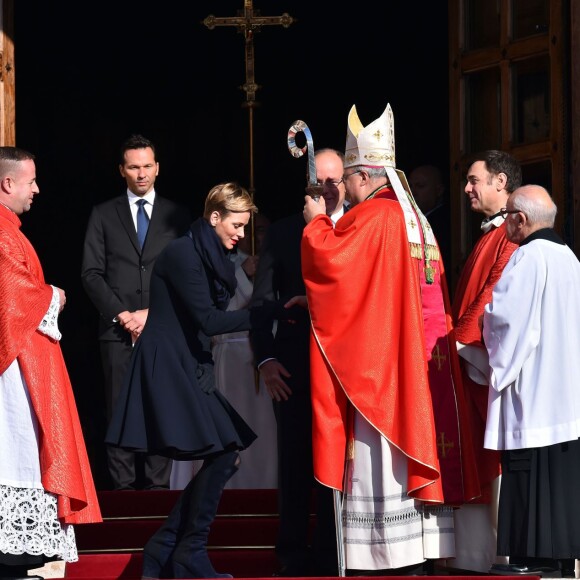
x,y
249,21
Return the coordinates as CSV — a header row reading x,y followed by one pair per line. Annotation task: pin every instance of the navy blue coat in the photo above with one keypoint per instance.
x,y
161,408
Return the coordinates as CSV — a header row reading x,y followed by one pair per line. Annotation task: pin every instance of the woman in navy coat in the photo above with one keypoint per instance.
x,y
168,404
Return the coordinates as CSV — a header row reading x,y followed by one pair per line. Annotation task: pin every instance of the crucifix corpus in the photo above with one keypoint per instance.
x,y
248,21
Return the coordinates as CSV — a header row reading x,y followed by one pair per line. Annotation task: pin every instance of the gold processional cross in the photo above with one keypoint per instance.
x,y
248,21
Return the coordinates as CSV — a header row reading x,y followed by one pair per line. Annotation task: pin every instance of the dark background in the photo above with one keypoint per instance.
x,y
90,74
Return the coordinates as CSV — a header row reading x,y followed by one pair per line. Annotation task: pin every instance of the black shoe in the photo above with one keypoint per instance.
x,y
516,570
324,571
292,571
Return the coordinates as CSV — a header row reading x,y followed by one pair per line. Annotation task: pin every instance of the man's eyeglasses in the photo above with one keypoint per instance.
x,y
329,182
504,212
347,175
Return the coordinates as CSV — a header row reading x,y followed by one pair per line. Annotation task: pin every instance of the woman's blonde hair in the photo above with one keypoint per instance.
x,y
228,198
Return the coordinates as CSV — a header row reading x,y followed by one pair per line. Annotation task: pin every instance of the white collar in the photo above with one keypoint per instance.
x,y
149,197
488,223
337,215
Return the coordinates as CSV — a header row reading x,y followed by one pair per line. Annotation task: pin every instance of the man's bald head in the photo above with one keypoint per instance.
x,y
530,208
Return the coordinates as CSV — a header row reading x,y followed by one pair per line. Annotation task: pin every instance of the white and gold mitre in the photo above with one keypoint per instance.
x,y
373,144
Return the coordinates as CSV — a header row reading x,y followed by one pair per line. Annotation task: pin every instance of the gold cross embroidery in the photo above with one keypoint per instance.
x,y
444,445
438,357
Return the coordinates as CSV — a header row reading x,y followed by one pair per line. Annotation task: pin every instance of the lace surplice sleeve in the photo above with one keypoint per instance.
x,y
49,324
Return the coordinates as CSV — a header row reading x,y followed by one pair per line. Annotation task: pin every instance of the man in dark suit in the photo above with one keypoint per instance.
x,y
284,363
124,237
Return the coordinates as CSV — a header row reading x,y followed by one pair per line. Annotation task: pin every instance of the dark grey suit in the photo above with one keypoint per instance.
x,y
116,274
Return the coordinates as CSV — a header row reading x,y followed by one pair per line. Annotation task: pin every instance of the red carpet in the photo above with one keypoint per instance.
x,y
241,540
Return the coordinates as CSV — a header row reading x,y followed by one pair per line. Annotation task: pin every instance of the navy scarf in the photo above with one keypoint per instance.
x,y
215,259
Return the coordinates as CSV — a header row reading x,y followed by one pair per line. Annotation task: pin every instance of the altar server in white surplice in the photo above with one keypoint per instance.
x,y
531,331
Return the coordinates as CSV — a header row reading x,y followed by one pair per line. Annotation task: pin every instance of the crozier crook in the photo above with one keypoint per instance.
x,y
313,189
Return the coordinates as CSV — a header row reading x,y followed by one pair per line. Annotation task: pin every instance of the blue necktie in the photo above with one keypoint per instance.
x,y
142,222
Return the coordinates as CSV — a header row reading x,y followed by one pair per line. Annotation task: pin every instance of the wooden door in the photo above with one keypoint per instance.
x,y
7,74
509,90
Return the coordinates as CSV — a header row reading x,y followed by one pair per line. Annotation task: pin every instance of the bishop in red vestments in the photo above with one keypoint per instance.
x,y
382,348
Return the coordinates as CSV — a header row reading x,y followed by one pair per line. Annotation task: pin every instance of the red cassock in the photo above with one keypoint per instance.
x,y
26,297
479,275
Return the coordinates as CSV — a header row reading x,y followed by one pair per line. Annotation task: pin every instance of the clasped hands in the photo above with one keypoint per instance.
x,y
133,322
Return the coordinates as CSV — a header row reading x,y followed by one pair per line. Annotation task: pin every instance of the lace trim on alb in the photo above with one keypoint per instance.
x,y
49,324
29,524
382,520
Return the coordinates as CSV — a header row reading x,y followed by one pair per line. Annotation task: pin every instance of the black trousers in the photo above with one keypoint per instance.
x,y
539,512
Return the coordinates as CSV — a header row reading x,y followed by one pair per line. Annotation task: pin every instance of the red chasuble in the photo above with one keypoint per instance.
x,y
368,345
482,270
25,297
429,324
